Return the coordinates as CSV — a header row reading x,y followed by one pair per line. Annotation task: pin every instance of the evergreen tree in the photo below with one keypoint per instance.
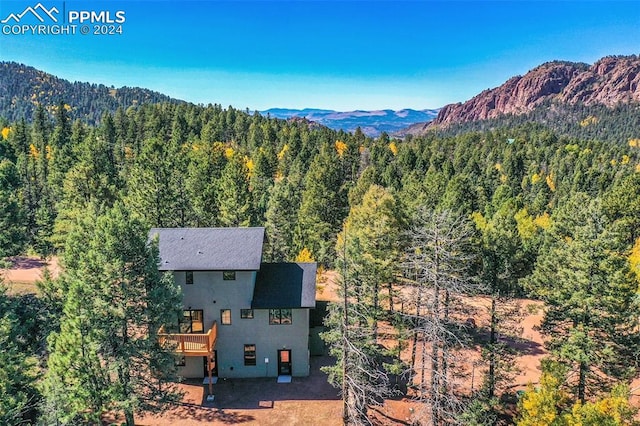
x,y
17,369
62,156
281,216
261,181
154,188
622,206
107,355
373,228
367,255
206,162
322,208
584,278
234,199
12,229
505,260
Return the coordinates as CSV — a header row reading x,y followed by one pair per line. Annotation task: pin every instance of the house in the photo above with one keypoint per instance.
x,y
241,317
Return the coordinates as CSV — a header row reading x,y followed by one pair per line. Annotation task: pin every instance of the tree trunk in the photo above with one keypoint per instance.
x,y
423,342
582,381
435,385
445,349
492,350
435,359
414,343
129,417
376,303
440,315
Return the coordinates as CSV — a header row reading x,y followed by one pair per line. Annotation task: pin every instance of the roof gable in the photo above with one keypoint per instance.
x,y
209,249
285,285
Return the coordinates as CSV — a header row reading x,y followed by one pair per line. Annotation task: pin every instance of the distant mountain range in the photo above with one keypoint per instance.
x,y
576,99
372,123
23,87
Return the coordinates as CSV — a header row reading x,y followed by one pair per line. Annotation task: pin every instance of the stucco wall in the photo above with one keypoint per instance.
x,y
211,293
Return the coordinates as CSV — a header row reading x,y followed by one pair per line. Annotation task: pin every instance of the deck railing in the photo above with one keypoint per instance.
x,y
191,344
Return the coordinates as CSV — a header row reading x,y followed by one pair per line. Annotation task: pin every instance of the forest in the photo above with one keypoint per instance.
x,y
586,122
411,226
23,87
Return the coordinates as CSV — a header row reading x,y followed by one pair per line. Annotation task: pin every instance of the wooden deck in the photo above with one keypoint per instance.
x,y
191,344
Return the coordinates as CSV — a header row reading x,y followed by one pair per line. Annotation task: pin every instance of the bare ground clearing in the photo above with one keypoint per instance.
x,y
24,271
311,400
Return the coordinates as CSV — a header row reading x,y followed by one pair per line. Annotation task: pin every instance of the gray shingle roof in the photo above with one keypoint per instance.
x,y
209,249
285,285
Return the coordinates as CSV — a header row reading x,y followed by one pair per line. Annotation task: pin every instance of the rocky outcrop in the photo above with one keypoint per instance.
x,y
610,81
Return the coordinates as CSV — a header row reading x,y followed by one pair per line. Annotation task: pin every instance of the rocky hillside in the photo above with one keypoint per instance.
x,y
609,82
23,87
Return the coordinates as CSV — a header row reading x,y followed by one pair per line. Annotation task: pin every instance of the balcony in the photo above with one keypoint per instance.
x,y
191,344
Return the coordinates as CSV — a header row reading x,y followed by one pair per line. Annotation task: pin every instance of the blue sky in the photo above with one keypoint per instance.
x,y
326,54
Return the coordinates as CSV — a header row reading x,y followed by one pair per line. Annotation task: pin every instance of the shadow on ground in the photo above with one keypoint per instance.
x,y
262,393
19,262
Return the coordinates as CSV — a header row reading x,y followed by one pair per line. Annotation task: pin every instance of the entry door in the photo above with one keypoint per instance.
x,y
214,372
284,362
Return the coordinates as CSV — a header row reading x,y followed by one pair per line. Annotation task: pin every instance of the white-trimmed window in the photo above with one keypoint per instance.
x,y
225,316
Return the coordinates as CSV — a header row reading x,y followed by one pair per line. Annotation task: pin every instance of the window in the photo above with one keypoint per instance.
x,y
225,316
192,321
229,275
246,313
280,316
249,354
180,361
188,279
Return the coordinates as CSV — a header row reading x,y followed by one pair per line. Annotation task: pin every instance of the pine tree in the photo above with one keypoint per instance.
x,y
281,216
234,199
584,278
373,229
505,260
106,355
17,369
154,188
322,209
206,162
261,181
12,229
61,153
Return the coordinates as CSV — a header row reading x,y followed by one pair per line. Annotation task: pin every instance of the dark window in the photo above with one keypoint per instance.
x,y
246,313
180,361
280,316
249,354
229,275
192,321
225,316
188,277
